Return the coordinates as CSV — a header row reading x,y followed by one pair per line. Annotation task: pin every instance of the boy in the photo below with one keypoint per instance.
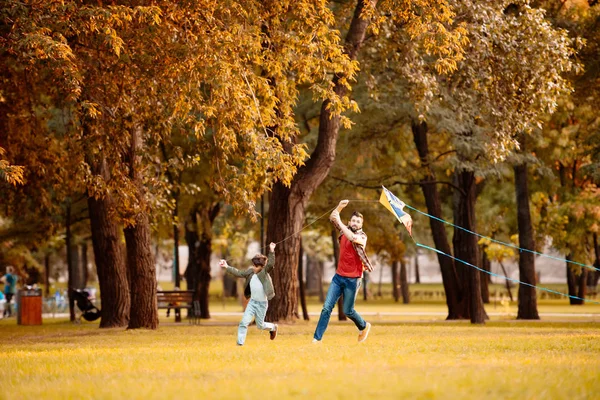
x,y
259,289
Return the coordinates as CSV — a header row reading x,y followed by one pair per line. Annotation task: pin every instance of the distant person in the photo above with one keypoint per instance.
x,y
259,289
2,304
10,286
346,281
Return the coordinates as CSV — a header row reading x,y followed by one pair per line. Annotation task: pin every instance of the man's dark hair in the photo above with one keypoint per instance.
x,y
357,214
259,259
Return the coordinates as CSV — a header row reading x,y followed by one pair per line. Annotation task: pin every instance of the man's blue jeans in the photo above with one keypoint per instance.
x,y
348,287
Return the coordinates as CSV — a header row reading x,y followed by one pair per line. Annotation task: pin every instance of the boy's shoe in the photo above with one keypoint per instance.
x,y
362,335
273,334
315,341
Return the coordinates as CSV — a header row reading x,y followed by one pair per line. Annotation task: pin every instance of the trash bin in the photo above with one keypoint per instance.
x,y
29,307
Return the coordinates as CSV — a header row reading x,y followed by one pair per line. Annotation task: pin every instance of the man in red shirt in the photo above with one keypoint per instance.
x,y
353,260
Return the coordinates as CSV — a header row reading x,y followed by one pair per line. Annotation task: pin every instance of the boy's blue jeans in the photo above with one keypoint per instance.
x,y
348,287
258,310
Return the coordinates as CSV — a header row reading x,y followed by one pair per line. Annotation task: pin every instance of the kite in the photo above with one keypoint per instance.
x,y
396,206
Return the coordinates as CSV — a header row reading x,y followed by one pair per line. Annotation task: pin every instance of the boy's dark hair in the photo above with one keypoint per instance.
x,y
357,214
259,259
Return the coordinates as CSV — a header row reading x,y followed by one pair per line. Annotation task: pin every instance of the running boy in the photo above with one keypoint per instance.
x,y
259,289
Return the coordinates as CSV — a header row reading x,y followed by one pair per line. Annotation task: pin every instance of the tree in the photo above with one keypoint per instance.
x,y
288,204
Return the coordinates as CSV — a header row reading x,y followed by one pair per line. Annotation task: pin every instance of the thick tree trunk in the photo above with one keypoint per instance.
x,y
466,247
288,205
438,229
404,282
302,286
142,275
396,280
140,260
110,264
527,294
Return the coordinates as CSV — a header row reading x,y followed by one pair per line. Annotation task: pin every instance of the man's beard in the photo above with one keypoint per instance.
x,y
354,230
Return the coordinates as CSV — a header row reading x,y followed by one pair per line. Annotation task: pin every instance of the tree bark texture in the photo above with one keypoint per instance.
x,y
110,264
141,265
527,294
142,275
466,247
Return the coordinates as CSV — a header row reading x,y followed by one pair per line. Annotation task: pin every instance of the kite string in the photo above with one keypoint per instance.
x,y
448,255
293,234
491,239
497,241
505,277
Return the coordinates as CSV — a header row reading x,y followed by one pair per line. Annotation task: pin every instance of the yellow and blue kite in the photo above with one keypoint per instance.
x,y
395,205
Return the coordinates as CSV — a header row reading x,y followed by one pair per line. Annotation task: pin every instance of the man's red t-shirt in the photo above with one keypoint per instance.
x,y
350,264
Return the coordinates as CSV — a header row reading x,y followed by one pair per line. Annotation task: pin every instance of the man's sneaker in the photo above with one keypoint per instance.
x,y
362,335
315,341
273,333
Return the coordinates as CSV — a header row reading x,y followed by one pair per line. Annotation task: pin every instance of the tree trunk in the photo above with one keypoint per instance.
x,y
142,275
527,294
485,265
288,204
395,281
404,282
301,281
199,239
85,272
110,264
466,247
417,272
576,283
507,282
141,265
595,275
47,275
438,229
70,266
176,265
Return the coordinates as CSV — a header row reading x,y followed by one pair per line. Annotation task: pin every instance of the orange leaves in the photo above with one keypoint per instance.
x,y
13,174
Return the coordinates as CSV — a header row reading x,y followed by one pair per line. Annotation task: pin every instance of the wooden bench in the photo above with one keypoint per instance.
x,y
178,299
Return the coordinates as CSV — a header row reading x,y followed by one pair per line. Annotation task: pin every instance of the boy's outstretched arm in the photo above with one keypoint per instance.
x,y
271,257
233,271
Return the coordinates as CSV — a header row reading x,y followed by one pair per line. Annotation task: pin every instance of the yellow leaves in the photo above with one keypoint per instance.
x,y
497,252
13,174
90,109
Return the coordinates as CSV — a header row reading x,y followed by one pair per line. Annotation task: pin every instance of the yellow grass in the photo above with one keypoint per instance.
x,y
503,359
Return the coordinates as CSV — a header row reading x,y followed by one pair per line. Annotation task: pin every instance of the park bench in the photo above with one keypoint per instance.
x,y
178,299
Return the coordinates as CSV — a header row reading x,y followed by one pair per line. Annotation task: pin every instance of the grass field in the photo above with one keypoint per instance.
x,y
415,360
